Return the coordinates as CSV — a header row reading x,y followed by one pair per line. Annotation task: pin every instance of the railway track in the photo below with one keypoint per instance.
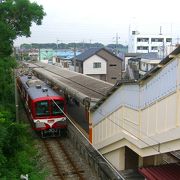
x,y
63,160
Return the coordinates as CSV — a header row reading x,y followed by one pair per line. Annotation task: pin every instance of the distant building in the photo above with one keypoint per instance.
x,y
128,56
147,62
33,54
46,55
63,57
140,64
50,55
141,43
99,63
61,62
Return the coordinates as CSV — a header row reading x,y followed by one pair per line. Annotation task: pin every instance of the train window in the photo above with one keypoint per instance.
x,y
42,108
55,108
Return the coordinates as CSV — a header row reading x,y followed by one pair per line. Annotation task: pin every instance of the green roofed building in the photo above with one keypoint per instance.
x,y
46,54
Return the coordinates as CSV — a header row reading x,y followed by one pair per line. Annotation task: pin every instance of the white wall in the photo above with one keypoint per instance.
x,y
117,155
88,65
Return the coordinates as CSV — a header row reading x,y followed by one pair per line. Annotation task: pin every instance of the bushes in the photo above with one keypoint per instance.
x,y
17,155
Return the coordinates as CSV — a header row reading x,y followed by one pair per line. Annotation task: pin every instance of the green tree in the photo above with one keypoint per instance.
x,y
16,18
16,152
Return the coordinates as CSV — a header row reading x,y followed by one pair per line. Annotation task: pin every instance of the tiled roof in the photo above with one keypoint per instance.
x,y
88,53
151,56
92,51
164,172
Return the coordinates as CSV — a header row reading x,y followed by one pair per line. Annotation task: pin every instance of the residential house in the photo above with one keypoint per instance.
x,y
147,62
99,63
141,64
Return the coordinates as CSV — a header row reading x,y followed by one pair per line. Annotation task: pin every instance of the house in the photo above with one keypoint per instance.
x,y
63,57
99,63
140,64
45,55
147,62
61,62
33,54
128,56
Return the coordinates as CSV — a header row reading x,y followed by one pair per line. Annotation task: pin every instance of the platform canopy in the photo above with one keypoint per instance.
x,y
79,86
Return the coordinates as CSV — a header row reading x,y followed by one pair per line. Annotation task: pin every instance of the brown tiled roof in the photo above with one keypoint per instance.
x,y
164,172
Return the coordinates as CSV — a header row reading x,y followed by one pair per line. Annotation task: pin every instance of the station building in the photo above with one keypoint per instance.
x,y
139,121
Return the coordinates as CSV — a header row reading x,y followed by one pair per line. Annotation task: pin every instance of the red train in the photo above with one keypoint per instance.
x,y
46,109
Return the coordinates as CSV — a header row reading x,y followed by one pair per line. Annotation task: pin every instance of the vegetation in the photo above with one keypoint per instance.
x,y
16,153
79,46
60,45
16,18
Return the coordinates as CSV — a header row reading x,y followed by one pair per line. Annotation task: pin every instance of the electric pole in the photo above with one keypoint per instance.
x,y
16,96
75,57
117,42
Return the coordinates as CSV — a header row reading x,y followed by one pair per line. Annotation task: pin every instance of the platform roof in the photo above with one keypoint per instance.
x,y
149,74
76,84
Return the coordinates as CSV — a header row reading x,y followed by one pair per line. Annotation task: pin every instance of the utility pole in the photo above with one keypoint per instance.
x,y
39,49
16,96
57,44
90,41
74,57
117,39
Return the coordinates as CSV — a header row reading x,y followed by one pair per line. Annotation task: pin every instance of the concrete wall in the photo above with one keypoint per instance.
x,y
117,158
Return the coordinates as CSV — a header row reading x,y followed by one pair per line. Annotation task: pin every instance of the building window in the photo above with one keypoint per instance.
x,y
114,78
142,39
112,65
97,65
142,47
168,39
157,40
154,48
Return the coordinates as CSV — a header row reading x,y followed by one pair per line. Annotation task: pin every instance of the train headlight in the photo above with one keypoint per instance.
x,y
50,121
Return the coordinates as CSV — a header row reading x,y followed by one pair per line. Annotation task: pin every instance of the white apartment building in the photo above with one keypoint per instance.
x,y
139,43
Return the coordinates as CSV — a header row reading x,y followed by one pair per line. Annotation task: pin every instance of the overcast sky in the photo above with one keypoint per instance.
x,y
100,20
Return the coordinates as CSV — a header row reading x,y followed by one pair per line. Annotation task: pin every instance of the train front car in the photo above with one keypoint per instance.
x,y
48,115
45,107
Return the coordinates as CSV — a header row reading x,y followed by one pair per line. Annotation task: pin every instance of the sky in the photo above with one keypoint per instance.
x,y
92,21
